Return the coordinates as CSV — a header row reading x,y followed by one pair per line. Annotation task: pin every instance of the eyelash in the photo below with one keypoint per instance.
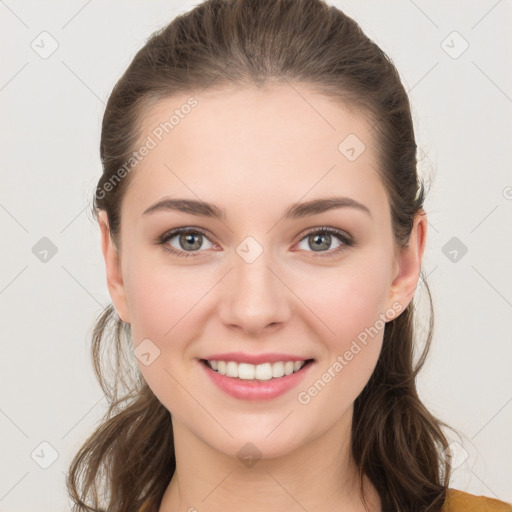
x,y
346,241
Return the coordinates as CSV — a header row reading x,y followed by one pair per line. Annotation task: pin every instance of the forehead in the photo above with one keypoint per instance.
x,y
277,115
263,143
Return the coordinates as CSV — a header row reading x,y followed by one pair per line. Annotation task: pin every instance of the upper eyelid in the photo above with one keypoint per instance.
x,y
341,234
337,232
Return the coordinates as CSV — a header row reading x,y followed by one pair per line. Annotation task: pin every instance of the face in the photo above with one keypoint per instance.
x,y
255,280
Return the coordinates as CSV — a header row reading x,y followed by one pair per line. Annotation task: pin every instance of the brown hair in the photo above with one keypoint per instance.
x,y
396,441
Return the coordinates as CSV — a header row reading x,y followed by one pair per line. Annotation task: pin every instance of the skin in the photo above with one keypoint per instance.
x,y
255,152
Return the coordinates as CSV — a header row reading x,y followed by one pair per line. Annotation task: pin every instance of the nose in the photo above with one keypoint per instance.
x,y
254,297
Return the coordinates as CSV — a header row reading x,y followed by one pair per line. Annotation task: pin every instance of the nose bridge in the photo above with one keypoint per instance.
x,y
255,297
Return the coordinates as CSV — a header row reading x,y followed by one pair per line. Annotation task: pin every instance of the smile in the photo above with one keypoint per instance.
x,y
243,380
261,372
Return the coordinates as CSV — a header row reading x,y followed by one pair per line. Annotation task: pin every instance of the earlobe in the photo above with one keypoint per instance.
x,y
113,269
409,263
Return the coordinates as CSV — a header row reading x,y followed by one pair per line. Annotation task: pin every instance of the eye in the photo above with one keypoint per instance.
x,y
188,241
321,239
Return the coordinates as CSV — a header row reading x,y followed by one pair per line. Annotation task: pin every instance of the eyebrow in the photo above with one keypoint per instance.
x,y
295,211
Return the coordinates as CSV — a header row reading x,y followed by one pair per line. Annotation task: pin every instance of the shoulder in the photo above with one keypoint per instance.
x,y
460,501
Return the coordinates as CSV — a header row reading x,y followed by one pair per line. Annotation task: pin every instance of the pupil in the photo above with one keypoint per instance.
x,y
189,238
319,237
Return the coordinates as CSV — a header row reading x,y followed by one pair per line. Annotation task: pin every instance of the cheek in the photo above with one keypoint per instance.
x,y
166,307
349,307
352,308
160,297
162,304
349,299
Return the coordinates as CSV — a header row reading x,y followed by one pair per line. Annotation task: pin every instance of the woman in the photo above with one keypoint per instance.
x,y
263,229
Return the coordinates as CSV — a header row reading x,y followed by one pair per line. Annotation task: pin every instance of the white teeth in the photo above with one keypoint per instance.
x,y
264,371
277,370
232,369
245,371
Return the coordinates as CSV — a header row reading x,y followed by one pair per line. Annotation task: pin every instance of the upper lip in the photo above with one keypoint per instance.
x,y
240,357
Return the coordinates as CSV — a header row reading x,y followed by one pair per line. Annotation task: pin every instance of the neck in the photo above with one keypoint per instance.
x,y
320,475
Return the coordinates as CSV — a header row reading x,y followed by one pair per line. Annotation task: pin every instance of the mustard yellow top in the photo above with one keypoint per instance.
x,y
460,501
457,501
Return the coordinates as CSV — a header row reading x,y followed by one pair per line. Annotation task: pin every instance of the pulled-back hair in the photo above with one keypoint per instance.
x,y
396,441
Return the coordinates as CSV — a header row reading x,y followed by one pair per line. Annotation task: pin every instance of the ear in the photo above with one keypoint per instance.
x,y
113,269
409,263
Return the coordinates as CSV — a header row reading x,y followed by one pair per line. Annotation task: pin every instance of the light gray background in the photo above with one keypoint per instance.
x,y
51,116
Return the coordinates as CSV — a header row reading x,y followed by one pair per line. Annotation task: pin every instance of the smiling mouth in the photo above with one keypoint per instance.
x,y
256,373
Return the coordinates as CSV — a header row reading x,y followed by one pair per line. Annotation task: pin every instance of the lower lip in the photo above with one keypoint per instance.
x,y
256,390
